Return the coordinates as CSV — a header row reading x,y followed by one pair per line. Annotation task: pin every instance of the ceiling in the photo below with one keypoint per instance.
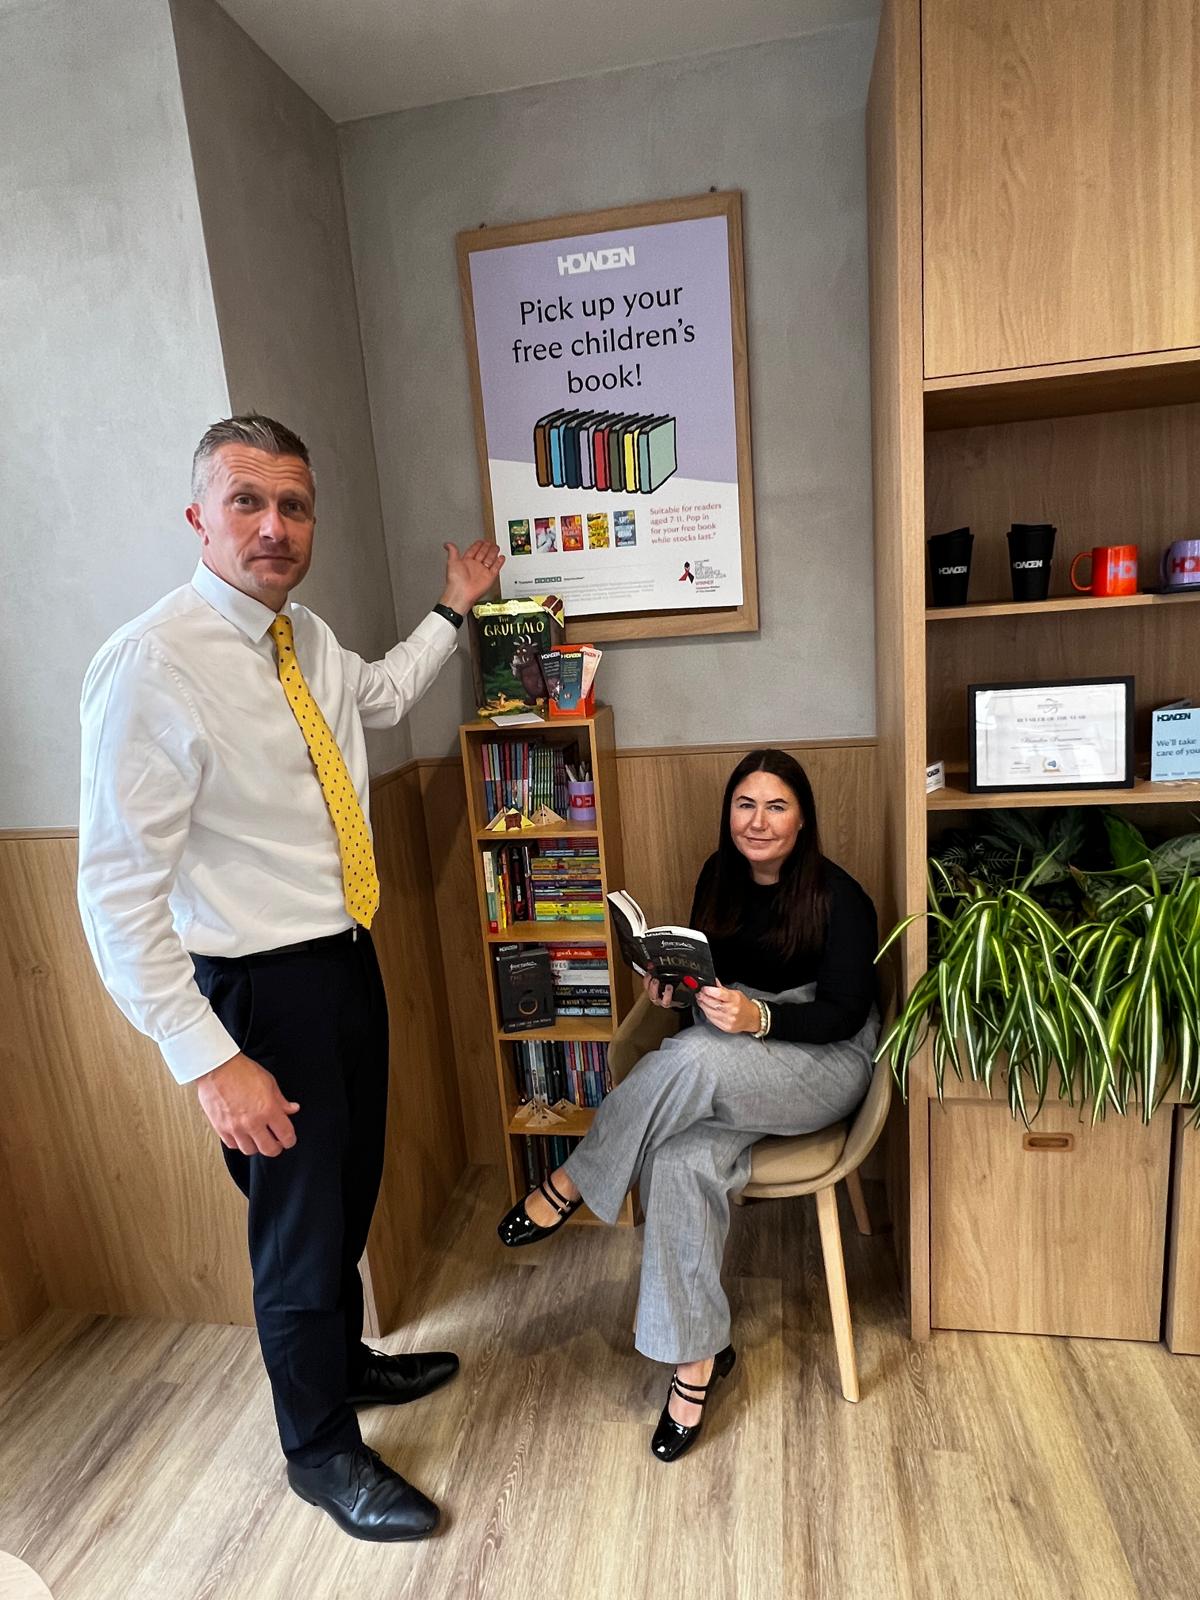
x,y
359,58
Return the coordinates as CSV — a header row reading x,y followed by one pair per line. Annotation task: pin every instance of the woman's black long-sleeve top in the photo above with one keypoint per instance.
x,y
843,969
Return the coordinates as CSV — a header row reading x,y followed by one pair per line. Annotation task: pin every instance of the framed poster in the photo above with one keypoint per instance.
x,y
612,423
1068,733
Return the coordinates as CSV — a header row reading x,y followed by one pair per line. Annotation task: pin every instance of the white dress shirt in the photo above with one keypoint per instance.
x,y
202,823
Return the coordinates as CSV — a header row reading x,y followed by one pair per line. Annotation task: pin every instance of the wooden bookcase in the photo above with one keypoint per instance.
x,y
593,737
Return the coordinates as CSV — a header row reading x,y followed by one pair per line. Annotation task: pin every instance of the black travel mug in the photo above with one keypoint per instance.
x,y
1030,552
950,567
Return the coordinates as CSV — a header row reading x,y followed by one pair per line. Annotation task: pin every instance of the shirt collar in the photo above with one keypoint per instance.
x,y
248,615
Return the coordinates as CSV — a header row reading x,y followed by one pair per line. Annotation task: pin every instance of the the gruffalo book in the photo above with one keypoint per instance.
x,y
507,638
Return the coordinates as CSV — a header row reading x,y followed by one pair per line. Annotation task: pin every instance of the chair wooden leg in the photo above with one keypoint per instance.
x,y
858,1201
835,1279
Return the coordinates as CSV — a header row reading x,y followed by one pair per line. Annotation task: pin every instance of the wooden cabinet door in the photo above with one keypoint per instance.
x,y
1183,1265
1061,1229
1061,179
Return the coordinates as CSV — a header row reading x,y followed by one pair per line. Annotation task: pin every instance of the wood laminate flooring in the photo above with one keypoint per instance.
x,y
138,1459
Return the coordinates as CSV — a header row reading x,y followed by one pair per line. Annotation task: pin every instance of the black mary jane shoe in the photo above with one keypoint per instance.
x,y
671,1439
518,1228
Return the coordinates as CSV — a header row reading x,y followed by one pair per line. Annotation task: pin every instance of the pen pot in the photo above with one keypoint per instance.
x,y
582,798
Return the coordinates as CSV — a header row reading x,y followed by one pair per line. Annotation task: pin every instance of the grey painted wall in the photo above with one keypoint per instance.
x,y
268,179
111,364
783,123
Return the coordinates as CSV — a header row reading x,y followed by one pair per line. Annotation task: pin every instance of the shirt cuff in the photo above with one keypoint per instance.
x,y
436,631
198,1049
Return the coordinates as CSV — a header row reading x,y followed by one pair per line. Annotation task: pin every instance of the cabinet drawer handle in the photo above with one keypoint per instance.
x,y
1048,1141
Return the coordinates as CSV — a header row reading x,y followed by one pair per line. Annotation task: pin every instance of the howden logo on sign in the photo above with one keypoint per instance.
x,y
597,260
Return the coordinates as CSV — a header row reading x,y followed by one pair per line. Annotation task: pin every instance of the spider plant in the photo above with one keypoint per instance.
x,y
1081,983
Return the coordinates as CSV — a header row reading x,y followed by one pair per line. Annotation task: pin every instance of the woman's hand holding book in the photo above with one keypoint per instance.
x,y
660,994
728,1009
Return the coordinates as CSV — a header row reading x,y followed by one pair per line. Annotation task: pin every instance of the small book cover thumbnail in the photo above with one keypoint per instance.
x,y
524,987
518,538
624,528
507,639
571,529
681,957
597,530
544,535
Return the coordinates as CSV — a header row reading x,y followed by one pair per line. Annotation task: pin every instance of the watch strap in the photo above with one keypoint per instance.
x,y
454,618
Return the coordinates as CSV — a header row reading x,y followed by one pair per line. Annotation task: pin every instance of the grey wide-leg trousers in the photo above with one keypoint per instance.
x,y
682,1125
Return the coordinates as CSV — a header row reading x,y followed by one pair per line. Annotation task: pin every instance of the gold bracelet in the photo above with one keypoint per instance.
x,y
764,1020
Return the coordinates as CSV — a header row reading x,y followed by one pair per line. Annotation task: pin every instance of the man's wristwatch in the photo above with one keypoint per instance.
x,y
453,617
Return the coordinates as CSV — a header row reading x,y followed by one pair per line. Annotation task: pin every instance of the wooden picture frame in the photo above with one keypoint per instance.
x,y
742,618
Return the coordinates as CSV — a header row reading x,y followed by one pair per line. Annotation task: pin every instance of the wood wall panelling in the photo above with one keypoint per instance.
x,y
127,1206
426,1149
448,831
1046,1241
897,428
671,804
1062,180
22,1293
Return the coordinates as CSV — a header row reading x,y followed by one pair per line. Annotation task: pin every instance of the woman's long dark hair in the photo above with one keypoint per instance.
x,y
803,902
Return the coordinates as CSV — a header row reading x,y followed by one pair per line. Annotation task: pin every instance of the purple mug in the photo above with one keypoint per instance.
x,y
1181,564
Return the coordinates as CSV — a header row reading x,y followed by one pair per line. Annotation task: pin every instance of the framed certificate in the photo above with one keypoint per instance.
x,y
1074,733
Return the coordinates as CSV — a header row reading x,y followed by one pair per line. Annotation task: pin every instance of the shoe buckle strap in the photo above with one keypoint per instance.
x,y
558,1202
699,1394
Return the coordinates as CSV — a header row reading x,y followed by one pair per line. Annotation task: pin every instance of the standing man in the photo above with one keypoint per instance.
x,y
227,884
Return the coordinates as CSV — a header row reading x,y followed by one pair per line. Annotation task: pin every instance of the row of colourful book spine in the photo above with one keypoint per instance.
x,y
565,883
580,977
556,882
569,1069
525,774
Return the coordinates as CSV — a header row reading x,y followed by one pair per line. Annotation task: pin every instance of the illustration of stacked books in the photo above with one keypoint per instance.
x,y
604,450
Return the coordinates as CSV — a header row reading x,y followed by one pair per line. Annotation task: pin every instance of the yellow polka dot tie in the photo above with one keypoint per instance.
x,y
360,885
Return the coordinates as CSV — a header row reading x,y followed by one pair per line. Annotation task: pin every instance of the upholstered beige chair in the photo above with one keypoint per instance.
x,y
811,1163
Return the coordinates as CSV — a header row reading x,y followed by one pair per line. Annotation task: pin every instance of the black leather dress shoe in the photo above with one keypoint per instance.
x,y
365,1497
518,1227
395,1380
672,1438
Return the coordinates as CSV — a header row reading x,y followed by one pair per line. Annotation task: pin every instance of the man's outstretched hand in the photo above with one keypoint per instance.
x,y
246,1107
469,576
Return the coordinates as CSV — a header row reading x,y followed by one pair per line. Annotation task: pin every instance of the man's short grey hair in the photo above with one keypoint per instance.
x,y
253,429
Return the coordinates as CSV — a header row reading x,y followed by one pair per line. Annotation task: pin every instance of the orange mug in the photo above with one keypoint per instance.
x,y
1114,569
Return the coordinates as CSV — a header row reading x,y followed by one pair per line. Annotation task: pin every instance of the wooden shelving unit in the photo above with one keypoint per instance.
x,y
957,797
594,739
1055,606
1013,383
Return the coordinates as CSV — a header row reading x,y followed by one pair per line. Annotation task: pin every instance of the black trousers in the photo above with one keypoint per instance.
x,y
316,1017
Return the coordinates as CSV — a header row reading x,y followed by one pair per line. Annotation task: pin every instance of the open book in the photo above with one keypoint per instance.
x,y
681,957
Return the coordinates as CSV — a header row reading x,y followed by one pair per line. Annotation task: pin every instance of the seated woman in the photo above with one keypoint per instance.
x,y
765,1053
